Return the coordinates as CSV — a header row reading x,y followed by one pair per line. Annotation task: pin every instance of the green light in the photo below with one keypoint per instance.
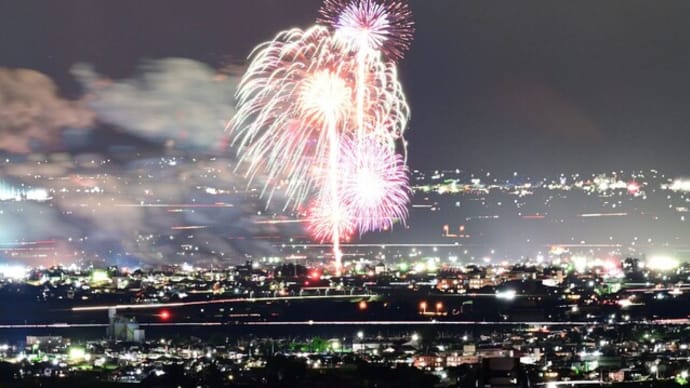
x,y
100,276
76,353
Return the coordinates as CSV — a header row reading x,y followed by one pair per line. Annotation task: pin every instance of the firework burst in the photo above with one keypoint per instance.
x,y
328,218
375,25
296,88
372,187
321,112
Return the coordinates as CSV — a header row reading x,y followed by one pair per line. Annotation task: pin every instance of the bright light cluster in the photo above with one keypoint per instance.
x,y
662,263
15,272
680,185
11,193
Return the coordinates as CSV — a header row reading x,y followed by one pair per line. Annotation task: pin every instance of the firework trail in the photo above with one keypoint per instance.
x,y
321,111
371,29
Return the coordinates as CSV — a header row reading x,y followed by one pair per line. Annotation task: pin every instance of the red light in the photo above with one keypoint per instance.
x,y
315,274
165,315
362,305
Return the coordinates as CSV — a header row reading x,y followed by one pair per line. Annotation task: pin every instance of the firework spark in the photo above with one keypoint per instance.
x,y
378,25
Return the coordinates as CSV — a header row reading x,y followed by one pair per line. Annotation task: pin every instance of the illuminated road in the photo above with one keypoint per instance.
x,y
92,325
259,299
218,301
381,245
427,323
678,322
570,383
177,205
682,322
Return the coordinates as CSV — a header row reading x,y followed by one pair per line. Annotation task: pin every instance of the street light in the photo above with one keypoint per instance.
x,y
360,337
422,306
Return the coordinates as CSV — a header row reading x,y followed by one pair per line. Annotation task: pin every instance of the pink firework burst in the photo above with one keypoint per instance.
x,y
381,25
374,185
373,191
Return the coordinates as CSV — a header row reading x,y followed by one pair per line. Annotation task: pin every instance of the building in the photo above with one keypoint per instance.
x,y
123,328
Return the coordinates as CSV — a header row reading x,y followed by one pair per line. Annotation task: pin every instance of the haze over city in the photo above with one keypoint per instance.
x,y
427,167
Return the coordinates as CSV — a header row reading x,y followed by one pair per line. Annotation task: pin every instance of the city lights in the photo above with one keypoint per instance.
x,y
344,193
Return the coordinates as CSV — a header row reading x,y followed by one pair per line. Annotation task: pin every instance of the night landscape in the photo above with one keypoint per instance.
x,y
344,193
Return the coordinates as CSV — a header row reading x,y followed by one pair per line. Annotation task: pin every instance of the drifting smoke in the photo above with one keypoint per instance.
x,y
182,205
175,101
155,211
31,112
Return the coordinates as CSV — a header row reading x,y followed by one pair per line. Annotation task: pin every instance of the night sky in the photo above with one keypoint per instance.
x,y
530,86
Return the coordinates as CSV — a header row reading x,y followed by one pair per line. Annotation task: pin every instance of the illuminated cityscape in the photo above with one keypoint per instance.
x,y
344,193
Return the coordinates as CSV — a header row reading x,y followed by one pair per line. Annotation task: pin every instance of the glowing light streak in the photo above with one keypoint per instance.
x,y
189,227
658,322
21,243
177,205
335,203
533,217
564,246
274,222
586,215
382,246
217,301
436,323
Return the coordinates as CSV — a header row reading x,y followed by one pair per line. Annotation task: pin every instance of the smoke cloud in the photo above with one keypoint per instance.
x,y
32,113
173,101
153,210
